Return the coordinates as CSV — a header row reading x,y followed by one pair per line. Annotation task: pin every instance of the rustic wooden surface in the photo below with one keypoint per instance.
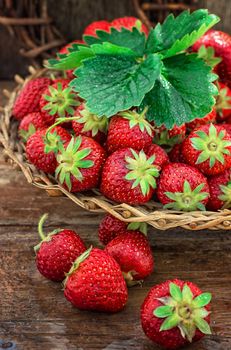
x,y
33,311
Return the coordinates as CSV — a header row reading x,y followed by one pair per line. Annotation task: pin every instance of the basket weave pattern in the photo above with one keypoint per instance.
x,y
152,212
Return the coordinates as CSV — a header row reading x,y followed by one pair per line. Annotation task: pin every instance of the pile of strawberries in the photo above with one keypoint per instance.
x,y
173,314
128,158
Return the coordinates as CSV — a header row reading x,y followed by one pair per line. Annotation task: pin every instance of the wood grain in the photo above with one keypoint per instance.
x,y
34,312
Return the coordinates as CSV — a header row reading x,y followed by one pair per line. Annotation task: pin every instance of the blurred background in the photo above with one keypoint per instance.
x,y
33,30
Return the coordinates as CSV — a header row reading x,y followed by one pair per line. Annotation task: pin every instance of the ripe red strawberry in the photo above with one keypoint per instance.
x,y
209,118
95,282
175,155
223,103
29,124
129,129
161,157
111,227
221,42
79,164
208,149
182,187
97,25
89,124
129,23
129,177
28,99
133,253
57,251
220,191
168,138
176,313
58,100
41,151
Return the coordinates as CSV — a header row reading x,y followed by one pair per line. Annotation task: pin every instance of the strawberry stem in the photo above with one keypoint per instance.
x,y
40,226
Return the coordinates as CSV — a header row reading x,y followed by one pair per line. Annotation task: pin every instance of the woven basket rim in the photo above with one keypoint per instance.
x,y
151,213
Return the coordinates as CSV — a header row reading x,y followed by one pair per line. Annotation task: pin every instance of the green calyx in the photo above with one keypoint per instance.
x,y
76,264
184,311
188,200
212,146
92,122
136,118
44,238
71,160
208,55
141,171
52,142
223,101
25,134
139,226
60,101
226,195
163,139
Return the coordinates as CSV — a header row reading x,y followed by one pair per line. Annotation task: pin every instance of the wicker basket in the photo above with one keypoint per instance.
x,y
152,212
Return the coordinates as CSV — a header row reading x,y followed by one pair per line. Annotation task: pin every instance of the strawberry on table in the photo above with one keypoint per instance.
x,y
111,227
221,42
95,283
79,164
176,313
133,253
89,124
220,191
30,124
209,118
28,99
208,149
58,100
223,103
182,187
41,150
57,251
129,177
161,156
97,25
129,23
129,129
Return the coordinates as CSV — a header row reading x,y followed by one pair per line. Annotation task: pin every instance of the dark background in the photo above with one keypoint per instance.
x,y
71,16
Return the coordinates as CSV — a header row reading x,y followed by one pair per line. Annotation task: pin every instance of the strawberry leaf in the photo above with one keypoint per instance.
x,y
120,85
178,34
183,91
134,40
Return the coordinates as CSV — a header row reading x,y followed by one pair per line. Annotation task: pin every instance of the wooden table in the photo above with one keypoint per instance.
x,y
34,312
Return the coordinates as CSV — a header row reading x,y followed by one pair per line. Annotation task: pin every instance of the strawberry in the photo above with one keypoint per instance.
x,y
182,187
129,177
129,129
221,43
175,155
168,138
58,100
208,149
79,164
89,124
57,251
161,157
129,23
209,118
227,127
92,28
95,283
223,103
176,313
133,253
110,227
28,99
41,150
220,191
29,124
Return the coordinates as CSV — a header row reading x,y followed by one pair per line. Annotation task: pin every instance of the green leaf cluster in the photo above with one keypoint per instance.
x,y
123,69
